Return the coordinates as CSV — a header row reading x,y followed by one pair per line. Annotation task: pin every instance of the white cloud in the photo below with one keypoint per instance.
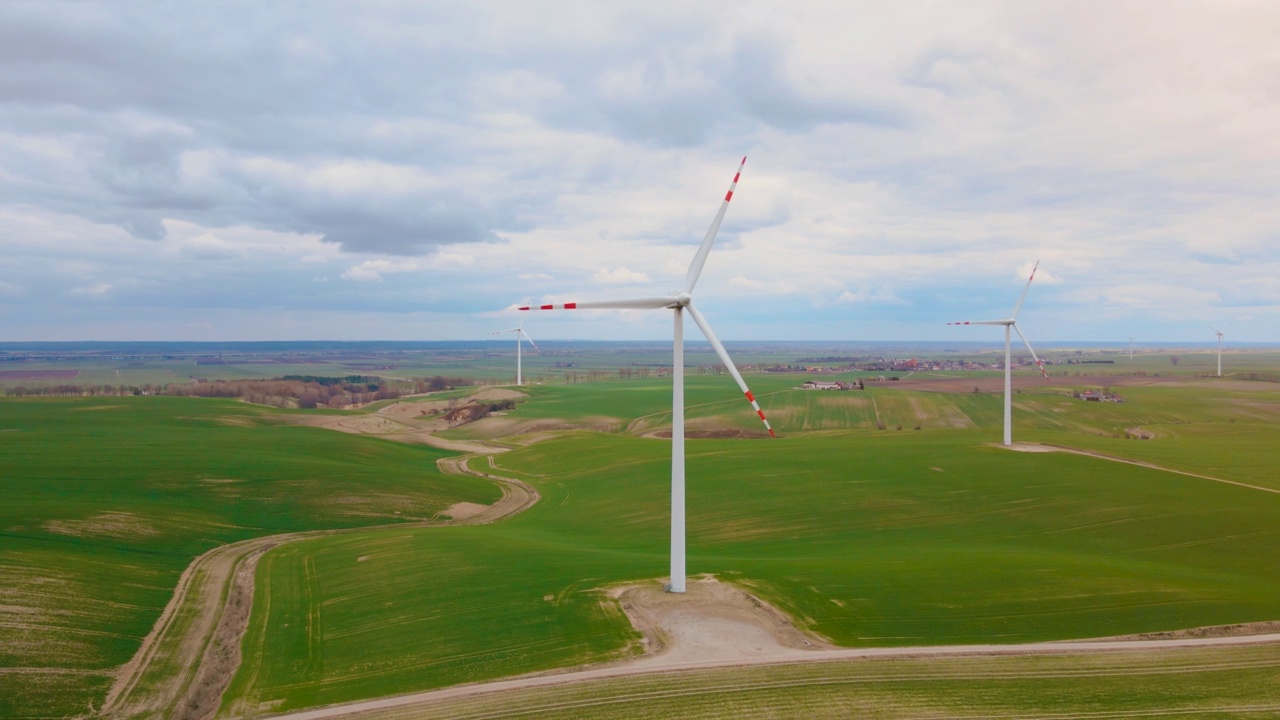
x,y
620,276
96,290
373,270
1130,149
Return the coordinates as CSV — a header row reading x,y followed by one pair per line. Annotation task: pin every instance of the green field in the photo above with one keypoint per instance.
x,y
1195,683
881,517
874,538
103,503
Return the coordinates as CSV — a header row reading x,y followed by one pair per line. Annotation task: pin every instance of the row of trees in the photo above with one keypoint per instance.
x,y
294,391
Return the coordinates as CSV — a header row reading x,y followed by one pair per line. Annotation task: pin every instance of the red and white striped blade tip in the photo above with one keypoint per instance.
x,y
551,306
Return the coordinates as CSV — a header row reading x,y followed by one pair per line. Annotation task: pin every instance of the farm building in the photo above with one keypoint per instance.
x,y
1098,396
838,385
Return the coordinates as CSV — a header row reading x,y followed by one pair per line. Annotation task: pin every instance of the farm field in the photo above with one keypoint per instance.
x,y
1236,682
881,517
104,503
558,362
873,538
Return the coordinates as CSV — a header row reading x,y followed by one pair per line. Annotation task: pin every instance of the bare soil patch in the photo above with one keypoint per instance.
x,y
503,426
119,525
724,433
357,424
711,622
222,655
497,394
464,510
420,410
1209,631
1028,447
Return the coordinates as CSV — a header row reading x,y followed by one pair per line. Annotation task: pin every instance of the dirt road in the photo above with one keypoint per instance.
x,y
188,659
715,625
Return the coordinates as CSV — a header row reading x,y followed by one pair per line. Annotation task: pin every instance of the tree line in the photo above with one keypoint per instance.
x,y
306,392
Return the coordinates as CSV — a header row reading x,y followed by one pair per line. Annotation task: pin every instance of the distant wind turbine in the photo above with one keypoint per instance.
x,y
679,302
1130,347
1011,322
518,330
1219,334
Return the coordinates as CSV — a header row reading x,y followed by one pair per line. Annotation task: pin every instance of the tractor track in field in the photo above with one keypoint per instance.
x,y
187,661
1049,447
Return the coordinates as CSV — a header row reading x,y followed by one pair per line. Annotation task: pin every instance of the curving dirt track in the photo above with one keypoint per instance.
x,y
188,659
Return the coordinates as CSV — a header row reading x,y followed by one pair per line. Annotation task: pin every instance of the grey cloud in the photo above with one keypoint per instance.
x,y
276,83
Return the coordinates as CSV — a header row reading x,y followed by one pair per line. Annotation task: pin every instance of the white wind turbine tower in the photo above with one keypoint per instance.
x,y
1011,322
1219,334
1130,347
518,330
679,302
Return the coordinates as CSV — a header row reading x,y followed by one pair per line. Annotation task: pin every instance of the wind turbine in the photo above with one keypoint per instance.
x,y
1130,347
1011,322
518,330
679,302
1219,334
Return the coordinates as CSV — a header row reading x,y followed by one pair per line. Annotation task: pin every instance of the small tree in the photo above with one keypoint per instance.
x,y
1174,359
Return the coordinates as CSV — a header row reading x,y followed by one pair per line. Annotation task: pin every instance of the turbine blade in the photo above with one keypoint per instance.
x,y
1018,307
503,332
636,304
1026,342
700,259
728,363
531,342
982,322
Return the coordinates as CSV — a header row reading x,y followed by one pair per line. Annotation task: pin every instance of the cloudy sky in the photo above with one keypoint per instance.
x,y
310,170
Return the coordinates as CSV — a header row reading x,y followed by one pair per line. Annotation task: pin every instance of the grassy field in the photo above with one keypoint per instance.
x,y
1196,683
103,503
873,538
560,362
870,530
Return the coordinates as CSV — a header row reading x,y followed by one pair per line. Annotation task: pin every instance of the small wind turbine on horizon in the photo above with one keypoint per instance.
x,y
679,302
1130,347
518,330
1011,322
1218,332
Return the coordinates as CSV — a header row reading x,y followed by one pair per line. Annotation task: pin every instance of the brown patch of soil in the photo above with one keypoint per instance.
x,y
497,394
222,655
1208,631
119,525
1029,447
731,433
406,411
464,510
710,622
